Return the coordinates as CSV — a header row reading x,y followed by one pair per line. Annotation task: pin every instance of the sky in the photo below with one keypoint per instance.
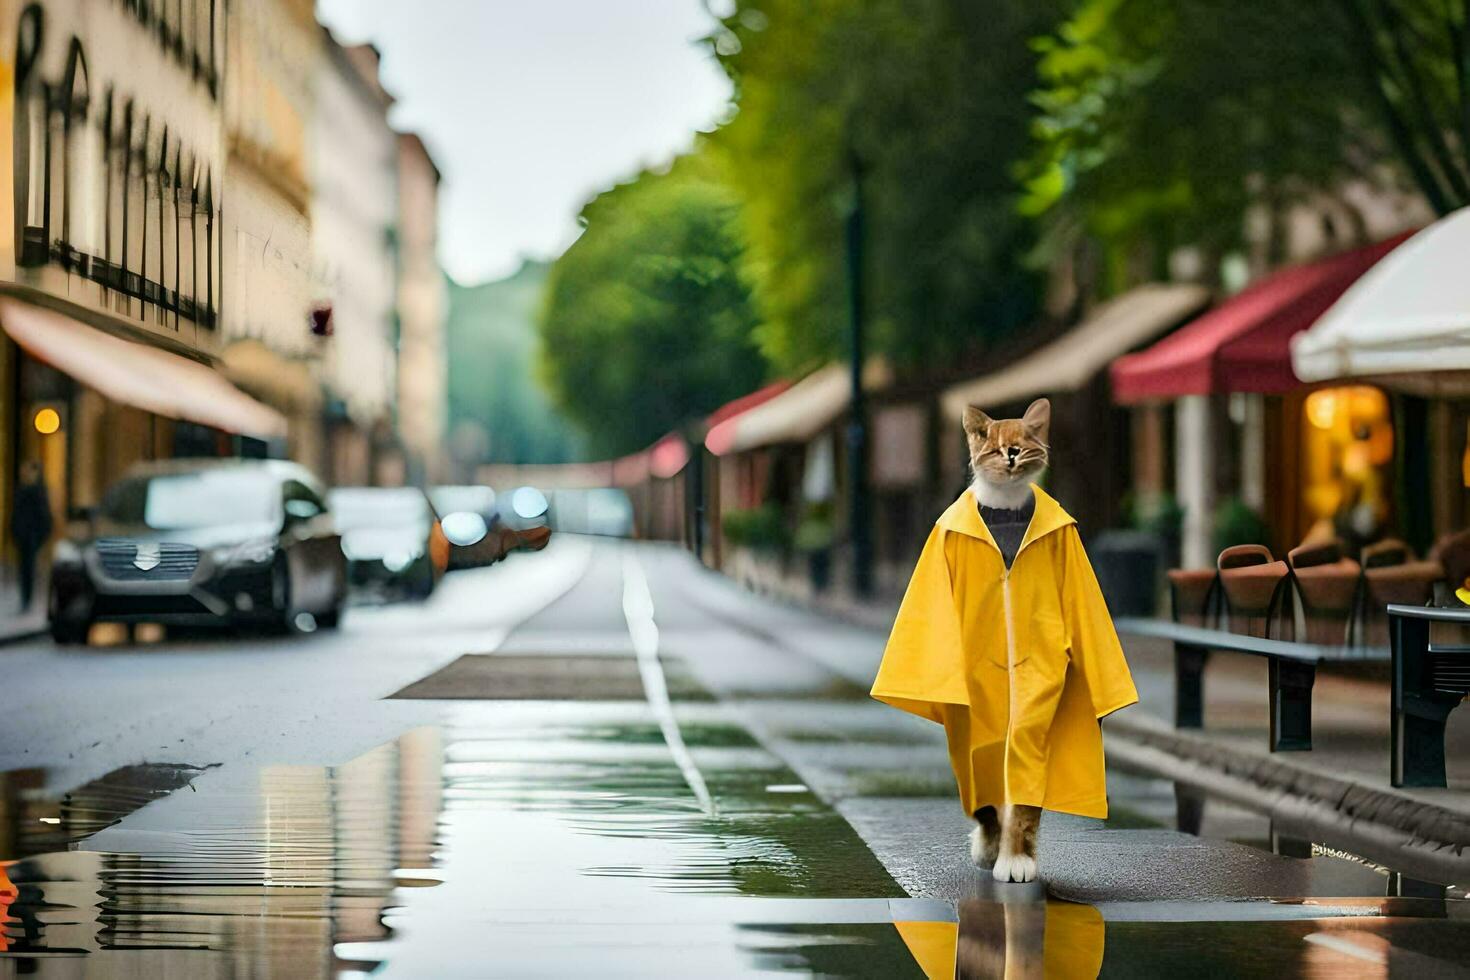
x,y
530,107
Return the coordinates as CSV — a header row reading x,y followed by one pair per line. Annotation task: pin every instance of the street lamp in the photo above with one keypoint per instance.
x,y
857,435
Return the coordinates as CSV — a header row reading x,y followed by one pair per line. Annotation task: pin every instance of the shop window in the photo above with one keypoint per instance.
x,y
1347,447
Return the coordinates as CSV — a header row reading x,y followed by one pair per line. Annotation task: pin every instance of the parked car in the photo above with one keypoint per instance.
x,y
392,540
203,542
484,528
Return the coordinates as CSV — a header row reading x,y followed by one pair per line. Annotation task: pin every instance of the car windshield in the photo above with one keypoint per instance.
x,y
380,509
185,501
476,500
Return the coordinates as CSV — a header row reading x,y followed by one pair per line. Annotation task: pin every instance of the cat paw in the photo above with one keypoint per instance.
x,y
1015,867
984,848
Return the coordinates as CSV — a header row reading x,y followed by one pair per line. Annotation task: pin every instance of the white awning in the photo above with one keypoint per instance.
x,y
1408,315
1072,360
136,374
806,408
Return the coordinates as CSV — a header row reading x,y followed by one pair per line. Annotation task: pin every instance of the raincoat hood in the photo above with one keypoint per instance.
x,y
1018,663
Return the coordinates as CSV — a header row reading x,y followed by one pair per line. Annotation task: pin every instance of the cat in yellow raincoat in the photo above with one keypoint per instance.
x,y
1003,637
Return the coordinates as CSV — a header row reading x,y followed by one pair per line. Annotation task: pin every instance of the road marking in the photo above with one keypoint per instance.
x,y
638,611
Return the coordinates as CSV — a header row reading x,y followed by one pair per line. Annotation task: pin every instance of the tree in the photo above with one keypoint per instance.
x,y
647,320
492,340
1169,118
929,99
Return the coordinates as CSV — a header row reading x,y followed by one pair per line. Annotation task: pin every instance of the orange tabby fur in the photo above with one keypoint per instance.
x,y
1007,455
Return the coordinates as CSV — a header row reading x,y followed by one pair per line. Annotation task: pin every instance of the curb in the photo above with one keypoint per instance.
x,y
1421,840
21,636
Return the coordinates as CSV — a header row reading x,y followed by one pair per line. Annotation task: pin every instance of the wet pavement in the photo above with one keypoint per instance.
x,y
609,763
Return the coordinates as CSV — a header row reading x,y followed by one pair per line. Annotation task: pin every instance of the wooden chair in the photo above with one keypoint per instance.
x,y
1328,584
1453,554
1392,576
1195,595
1255,586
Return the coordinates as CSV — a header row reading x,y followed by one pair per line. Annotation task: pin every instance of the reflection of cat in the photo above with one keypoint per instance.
x,y
1006,457
1028,940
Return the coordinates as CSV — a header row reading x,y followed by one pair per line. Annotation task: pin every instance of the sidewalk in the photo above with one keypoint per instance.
x,y
1337,795
16,626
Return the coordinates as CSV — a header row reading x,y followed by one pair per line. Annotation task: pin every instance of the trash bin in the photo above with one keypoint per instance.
x,y
1127,567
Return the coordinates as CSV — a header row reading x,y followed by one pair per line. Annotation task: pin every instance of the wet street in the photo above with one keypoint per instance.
x,y
600,760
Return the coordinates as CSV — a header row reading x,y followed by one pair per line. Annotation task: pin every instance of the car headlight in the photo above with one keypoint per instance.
x,y
399,559
66,553
248,553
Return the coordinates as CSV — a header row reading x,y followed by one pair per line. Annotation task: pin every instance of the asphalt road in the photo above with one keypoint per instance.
x,y
601,758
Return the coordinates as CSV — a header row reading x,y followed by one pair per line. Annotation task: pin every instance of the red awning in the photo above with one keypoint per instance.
x,y
721,429
663,459
1244,343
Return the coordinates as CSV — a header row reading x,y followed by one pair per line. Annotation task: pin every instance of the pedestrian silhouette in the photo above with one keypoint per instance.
x,y
30,525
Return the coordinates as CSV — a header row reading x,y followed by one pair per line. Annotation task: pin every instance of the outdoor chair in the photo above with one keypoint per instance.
x,y
1254,586
1452,552
1392,576
1195,595
1327,583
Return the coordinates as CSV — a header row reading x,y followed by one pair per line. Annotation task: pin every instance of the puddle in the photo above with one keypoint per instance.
x,y
535,838
33,822
1146,802
512,831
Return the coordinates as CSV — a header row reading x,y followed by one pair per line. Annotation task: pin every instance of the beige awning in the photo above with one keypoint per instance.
x,y
806,408
136,374
1072,360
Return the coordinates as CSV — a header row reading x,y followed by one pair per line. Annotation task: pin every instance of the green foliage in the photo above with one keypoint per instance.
x,y
817,530
760,528
647,321
492,344
1166,119
1158,514
1237,523
1178,114
931,97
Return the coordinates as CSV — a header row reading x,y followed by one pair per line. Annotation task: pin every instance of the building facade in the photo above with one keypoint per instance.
x,y
209,253
423,369
353,156
112,285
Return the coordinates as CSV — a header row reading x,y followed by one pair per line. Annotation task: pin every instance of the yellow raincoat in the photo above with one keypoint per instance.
x,y
1018,665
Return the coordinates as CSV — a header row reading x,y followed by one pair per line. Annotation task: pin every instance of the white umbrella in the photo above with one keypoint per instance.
x,y
1408,315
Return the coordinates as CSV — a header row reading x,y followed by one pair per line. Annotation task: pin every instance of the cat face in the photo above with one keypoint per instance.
x,y
1008,450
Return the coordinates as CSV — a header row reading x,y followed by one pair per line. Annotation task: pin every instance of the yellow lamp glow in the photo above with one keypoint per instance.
x,y
1322,408
47,421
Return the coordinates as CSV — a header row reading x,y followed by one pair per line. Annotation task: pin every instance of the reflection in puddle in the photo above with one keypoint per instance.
x,y
273,865
472,848
1026,940
1330,869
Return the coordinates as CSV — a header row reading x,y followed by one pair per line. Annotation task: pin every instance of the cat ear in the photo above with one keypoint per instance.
x,y
977,423
1038,419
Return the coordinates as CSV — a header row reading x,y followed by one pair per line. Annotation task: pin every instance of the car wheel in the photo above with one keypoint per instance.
x,y
281,617
329,619
422,584
68,630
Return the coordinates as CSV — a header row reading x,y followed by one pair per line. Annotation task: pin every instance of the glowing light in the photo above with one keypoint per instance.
x,y
1322,408
47,421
